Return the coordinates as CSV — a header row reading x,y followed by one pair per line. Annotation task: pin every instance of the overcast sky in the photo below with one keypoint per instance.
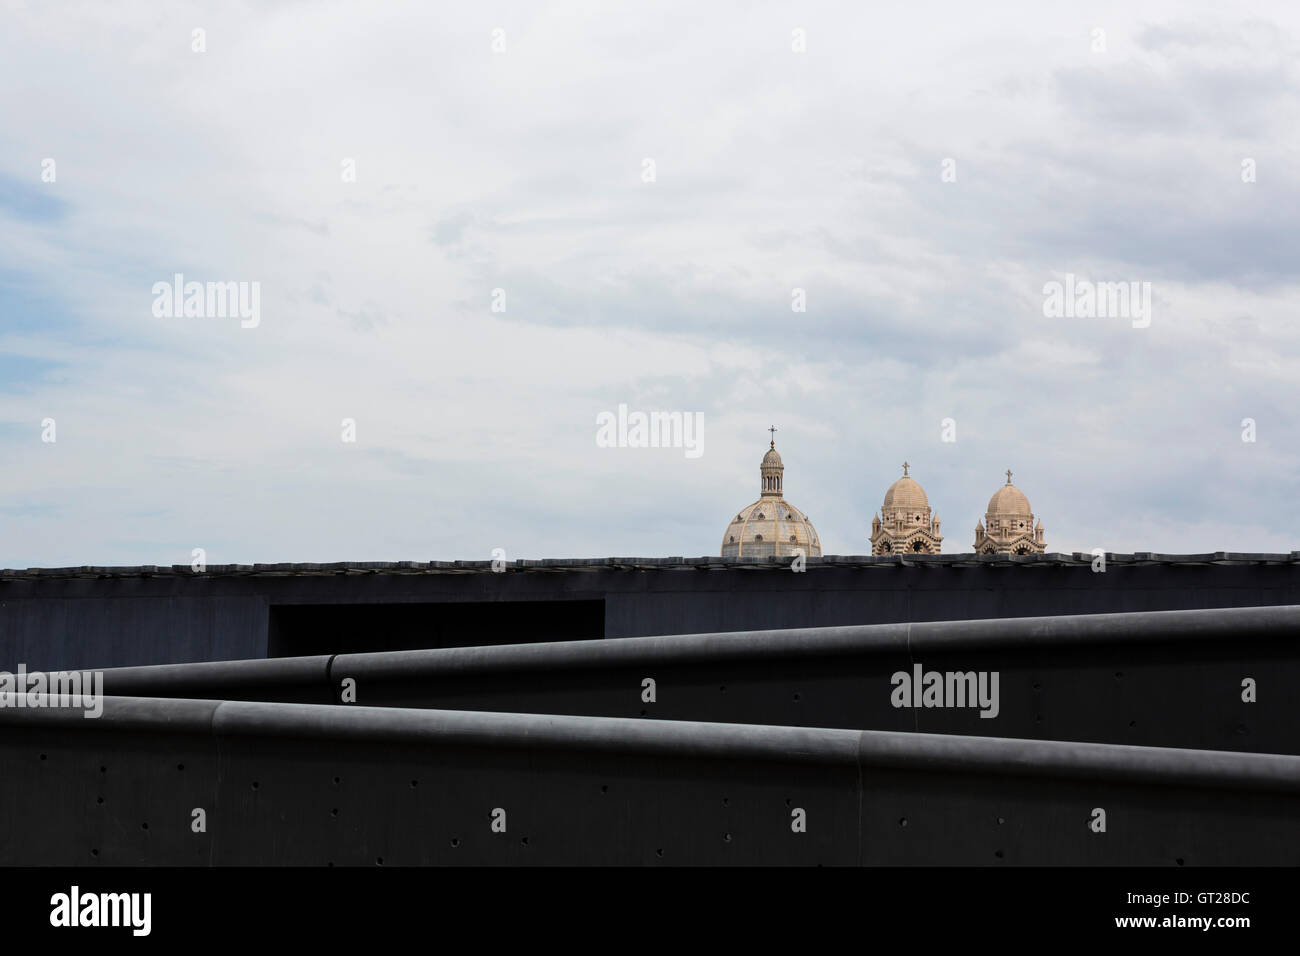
x,y
523,169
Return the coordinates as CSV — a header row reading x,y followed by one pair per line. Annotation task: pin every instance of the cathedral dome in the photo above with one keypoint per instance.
x,y
1009,500
771,525
1009,526
905,493
906,524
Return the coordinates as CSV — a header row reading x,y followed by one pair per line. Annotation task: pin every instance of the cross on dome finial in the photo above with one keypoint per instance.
x,y
1008,476
905,467
772,429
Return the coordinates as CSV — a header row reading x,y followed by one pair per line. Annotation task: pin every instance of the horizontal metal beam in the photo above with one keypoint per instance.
x,y
1205,679
1264,623
672,738
286,679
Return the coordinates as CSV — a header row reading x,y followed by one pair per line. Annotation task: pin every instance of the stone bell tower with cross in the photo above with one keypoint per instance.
x,y
905,525
1008,526
771,526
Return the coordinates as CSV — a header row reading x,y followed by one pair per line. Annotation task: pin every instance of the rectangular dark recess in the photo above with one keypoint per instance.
x,y
298,630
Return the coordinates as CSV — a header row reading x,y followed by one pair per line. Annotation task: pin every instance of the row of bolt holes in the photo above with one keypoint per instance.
x,y
902,822
455,843
726,837
379,861
604,788
100,800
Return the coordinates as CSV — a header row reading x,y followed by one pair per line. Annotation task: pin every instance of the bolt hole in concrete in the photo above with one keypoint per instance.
x,y
455,842
902,821
726,838
99,799
998,854
334,812
379,861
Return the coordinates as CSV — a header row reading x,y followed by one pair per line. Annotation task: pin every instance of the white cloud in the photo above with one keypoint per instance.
x,y
522,171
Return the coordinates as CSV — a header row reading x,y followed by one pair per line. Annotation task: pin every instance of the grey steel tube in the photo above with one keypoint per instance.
x,y
226,679
689,739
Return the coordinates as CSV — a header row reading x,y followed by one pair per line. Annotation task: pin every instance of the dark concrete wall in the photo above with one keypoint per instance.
x,y
112,619
320,785
822,597
55,631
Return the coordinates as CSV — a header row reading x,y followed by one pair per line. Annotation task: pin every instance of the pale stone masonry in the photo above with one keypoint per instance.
x,y
1008,526
771,526
906,524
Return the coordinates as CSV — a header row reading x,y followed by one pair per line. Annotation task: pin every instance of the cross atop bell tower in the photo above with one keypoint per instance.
x,y
772,469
